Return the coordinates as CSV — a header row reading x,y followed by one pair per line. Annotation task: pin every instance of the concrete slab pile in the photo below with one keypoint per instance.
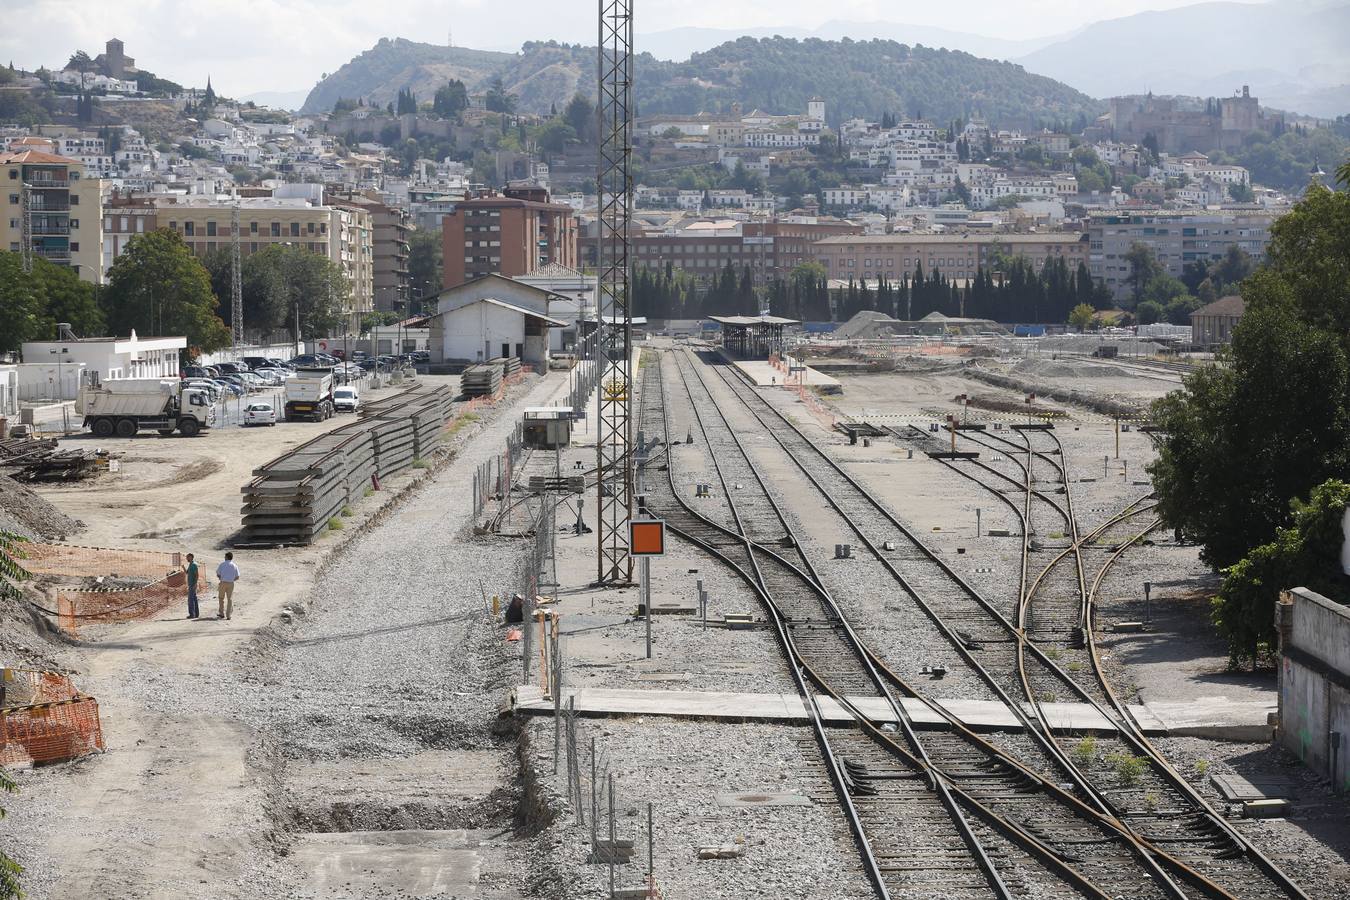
x,y
292,499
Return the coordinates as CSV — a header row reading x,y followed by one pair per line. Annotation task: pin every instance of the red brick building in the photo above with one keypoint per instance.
x,y
512,233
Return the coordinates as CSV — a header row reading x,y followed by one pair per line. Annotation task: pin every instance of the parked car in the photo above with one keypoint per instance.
x,y
234,388
212,389
359,355
279,363
260,414
309,361
272,375
231,368
254,362
200,372
420,356
346,399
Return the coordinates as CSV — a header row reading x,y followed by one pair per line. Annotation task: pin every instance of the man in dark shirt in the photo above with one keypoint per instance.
x,y
192,586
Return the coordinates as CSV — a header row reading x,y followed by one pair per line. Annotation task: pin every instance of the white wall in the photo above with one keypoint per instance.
x,y
476,332
9,391
37,381
230,354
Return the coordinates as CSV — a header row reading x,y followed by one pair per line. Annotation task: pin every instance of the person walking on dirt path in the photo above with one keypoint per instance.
x,y
227,573
192,586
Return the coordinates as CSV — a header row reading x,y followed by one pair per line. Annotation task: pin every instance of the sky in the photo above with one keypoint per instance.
x,y
247,46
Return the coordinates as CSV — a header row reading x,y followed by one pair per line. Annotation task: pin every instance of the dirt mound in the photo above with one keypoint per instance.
x,y
25,513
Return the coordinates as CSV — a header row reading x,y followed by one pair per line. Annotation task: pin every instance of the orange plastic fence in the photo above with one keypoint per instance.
x,y
75,608
46,719
50,732
68,559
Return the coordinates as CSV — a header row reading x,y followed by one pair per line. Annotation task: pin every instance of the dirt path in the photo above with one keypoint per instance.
x,y
176,807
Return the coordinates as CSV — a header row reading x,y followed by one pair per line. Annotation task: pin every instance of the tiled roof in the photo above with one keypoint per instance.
x,y
32,157
1231,305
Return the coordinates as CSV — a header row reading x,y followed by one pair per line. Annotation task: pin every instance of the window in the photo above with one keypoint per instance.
x,y
276,229
13,174
140,224
211,228
310,228
190,229
252,227
74,223
74,246
295,229
14,198
74,199
173,226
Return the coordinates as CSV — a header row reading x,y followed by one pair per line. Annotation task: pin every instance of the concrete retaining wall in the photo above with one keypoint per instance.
x,y
1314,676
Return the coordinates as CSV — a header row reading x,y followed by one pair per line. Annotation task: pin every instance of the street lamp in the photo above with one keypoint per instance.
x,y
60,385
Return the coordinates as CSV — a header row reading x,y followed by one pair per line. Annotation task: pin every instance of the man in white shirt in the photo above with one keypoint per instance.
x,y
227,573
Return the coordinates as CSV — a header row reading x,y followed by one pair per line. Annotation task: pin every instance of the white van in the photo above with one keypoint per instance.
x,y
346,399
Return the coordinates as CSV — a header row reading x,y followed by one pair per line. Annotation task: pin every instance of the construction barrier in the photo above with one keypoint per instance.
x,y
75,561
56,723
75,608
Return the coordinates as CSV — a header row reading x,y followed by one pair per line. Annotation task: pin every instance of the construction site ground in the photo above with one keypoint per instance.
x,y
355,745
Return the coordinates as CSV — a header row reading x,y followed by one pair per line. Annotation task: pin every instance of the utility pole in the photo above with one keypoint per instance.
x,y
614,464
236,278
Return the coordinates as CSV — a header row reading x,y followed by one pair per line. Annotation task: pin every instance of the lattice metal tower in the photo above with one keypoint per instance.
x,y
236,279
614,188
25,228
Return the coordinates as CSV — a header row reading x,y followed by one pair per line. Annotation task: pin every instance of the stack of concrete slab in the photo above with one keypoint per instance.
x,y
427,408
510,365
483,380
291,499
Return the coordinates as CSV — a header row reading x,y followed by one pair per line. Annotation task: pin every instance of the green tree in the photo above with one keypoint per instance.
x,y
424,262
1306,553
498,99
1143,268
1242,441
1310,251
1082,316
451,99
32,303
580,114
10,572
554,136
1241,192
1149,312
159,288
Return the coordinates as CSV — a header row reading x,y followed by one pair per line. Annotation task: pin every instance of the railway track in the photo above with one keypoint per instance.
x,y
1203,850
1007,798
1056,613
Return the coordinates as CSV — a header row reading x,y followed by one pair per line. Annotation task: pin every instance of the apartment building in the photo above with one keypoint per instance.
x,y
768,249
124,217
49,198
1176,237
343,234
391,227
511,233
956,255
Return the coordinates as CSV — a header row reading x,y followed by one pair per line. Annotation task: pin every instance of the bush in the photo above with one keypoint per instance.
x,y
335,524
348,512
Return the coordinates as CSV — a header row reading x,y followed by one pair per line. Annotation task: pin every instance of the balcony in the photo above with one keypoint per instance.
x,y
56,256
50,229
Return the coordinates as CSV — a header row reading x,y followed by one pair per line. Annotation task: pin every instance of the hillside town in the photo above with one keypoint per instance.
x,y
820,467
795,185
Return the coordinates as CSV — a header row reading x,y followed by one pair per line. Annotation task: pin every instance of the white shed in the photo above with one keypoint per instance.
x,y
489,317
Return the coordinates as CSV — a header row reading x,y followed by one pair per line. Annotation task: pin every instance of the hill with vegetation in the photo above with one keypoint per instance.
x,y
378,74
778,75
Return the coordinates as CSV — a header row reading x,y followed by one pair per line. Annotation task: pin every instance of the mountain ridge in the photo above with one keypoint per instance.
x,y
858,78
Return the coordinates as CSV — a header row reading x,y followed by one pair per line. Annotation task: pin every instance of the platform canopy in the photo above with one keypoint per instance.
x,y
753,335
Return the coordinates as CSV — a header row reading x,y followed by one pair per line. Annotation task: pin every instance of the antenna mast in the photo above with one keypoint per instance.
x,y
614,467
236,278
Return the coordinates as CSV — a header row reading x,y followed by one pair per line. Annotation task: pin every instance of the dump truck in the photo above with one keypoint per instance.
x,y
124,406
309,394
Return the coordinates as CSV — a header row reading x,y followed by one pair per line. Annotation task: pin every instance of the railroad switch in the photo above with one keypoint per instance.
x,y
934,672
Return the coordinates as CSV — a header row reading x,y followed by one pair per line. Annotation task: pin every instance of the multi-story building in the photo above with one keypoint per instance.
x,y
955,255
512,233
124,217
62,208
1176,237
768,249
391,228
344,235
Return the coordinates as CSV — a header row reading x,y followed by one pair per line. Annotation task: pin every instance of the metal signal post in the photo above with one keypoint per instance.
x,y
613,349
